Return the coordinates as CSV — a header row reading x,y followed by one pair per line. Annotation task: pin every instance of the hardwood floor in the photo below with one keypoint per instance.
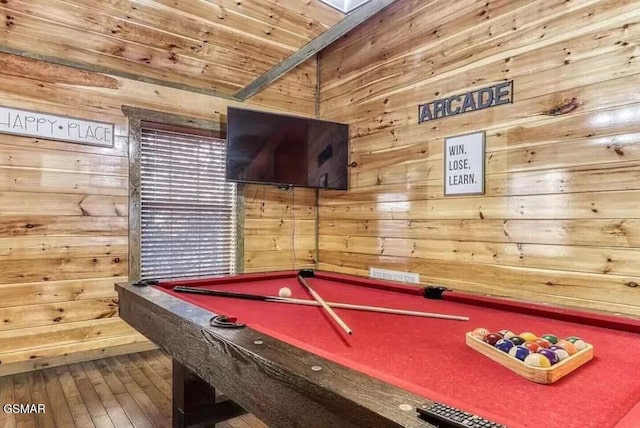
x,y
119,392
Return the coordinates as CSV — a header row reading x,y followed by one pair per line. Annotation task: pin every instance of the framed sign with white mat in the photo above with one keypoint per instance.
x,y
464,164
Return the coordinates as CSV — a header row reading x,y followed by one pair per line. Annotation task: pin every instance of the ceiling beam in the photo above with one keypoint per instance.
x,y
351,21
113,72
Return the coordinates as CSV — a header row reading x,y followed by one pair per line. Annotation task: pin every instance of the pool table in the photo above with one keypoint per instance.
x,y
291,365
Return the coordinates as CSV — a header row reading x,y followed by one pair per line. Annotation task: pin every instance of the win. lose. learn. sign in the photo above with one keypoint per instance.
x,y
51,127
464,164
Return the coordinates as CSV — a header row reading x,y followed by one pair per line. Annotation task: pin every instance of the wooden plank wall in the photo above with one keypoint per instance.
x,y
279,228
63,215
220,46
560,220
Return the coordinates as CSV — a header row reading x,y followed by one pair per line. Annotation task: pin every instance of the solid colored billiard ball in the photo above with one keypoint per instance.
x,y
517,340
504,345
520,352
492,338
551,356
577,342
531,346
537,360
568,346
544,343
479,332
550,337
284,292
528,336
507,334
560,351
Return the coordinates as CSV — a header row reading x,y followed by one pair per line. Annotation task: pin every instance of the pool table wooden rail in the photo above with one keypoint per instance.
x,y
273,380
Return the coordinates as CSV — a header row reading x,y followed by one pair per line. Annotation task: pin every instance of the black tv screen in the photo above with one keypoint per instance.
x,y
270,148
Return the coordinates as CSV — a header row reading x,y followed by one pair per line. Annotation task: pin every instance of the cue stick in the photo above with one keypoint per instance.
x,y
324,305
277,299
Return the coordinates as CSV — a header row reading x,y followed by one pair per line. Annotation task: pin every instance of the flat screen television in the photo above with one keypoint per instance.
x,y
268,148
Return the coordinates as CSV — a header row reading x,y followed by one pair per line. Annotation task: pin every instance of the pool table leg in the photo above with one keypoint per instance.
x,y
195,401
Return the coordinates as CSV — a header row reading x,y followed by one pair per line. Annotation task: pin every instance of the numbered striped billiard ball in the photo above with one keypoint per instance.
x,y
520,352
506,334
577,342
536,359
551,356
560,351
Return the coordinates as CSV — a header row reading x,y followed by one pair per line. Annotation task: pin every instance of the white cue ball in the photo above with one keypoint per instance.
x,y
284,292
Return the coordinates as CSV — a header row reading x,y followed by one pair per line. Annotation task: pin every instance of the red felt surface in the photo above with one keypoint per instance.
x,y
429,357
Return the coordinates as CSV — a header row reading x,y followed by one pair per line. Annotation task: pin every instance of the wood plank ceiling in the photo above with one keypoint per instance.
x,y
215,47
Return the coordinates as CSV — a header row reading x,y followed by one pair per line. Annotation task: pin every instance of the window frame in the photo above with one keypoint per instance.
x,y
168,121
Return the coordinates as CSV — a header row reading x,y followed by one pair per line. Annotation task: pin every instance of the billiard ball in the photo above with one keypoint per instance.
x,y
560,351
537,360
528,337
550,337
551,356
480,332
544,343
507,334
504,345
517,340
568,346
520,352
577,342
284,292
531,346
492,338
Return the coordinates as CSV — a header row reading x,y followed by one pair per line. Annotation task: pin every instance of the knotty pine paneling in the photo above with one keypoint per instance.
x,y
615,261
49,225
64,207
213,47
595,177
18,317
46,292
279,228
600,233
65,333
559,220
602,205
557,286
60,246
61,354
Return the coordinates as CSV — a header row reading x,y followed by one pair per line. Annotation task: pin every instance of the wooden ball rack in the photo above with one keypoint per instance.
x,y
544,375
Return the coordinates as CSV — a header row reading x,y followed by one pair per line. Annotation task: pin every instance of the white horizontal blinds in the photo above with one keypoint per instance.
x,y
188,210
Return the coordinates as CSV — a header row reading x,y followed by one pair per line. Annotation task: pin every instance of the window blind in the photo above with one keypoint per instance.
x,y
188,210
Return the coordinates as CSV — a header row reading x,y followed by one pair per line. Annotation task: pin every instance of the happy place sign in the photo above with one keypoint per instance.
x,y
52,127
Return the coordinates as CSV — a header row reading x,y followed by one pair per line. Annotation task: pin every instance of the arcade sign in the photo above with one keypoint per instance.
x,y
498,94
